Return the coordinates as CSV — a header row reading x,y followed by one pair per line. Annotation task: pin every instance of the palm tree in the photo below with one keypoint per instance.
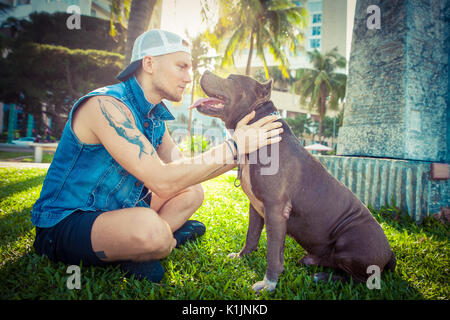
x,y
5,8
322,85
140,14
120,11
137,14
258,25
300,124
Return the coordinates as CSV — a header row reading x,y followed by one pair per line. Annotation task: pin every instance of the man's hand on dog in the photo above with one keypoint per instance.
x,y
263,132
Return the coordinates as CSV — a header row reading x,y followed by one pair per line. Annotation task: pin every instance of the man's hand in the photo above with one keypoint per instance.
x,y
263,132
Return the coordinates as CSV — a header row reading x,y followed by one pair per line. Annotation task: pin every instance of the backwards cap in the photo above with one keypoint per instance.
x,y
154,42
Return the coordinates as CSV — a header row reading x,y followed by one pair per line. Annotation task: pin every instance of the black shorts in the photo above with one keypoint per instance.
x,y
69,241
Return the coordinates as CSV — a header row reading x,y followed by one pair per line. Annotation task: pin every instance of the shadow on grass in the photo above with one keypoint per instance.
x,y
15,225
16,187
393,217
15,219
297,281
33,276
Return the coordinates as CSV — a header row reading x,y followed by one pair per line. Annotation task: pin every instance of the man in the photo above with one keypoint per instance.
x,y
115,155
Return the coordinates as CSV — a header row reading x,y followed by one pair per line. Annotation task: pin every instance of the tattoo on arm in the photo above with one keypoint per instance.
x,y
120,125
101,254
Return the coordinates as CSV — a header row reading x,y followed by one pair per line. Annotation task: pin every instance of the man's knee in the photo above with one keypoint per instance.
x,y
198,195
155,237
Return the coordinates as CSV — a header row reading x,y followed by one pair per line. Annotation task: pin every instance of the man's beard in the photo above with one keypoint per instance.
x,y
165,94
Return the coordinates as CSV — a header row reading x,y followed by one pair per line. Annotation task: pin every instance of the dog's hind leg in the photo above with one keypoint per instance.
x,y
309,260
327,262
344,269
391,264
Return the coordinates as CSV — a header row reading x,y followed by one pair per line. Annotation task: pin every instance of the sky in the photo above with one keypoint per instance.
x,y
181,15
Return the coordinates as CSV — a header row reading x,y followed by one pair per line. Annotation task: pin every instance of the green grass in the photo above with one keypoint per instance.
x,y
47,157
200,269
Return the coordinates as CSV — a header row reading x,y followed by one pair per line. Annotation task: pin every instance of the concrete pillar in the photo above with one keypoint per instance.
x,y
1,117
397,88
12,122
30,125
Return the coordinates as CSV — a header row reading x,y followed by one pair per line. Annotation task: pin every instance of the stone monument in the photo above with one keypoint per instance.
x,y
394,145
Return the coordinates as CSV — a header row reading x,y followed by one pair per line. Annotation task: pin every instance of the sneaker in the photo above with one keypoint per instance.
x,y
191,230
151,270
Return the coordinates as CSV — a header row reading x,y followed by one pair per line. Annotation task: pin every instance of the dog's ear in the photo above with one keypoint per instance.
x,y
268,84
264,89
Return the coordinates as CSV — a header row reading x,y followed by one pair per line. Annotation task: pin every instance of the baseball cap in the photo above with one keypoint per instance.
x,y
153,42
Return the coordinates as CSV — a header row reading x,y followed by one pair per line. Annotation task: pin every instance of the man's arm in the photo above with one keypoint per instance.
x,y
168,151
114,125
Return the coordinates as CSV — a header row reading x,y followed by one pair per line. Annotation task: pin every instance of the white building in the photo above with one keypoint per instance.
x,y
23,8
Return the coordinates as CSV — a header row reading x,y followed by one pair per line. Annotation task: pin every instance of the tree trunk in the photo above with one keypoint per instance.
x,y
250,54
190,113
192,102
140,15
322,107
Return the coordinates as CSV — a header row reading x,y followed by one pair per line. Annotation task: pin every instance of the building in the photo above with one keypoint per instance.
x,y
11,116
328,27
23,8
94,8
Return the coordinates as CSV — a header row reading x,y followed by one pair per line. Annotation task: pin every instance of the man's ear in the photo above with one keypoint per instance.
x,y
147,64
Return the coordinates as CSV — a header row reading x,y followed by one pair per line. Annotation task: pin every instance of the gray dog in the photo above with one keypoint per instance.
x,y
301,199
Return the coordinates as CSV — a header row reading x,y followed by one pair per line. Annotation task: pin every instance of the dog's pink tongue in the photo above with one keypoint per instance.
x,y
206,101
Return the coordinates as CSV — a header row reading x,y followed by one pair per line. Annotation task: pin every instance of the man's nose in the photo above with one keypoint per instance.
x,y
188,77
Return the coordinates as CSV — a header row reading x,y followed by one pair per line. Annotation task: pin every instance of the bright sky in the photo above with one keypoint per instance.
x,y
181,15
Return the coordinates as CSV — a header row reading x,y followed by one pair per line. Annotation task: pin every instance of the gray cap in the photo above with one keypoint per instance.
x,y
154,42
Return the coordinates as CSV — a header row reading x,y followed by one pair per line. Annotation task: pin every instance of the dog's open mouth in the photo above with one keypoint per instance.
x,y
209,105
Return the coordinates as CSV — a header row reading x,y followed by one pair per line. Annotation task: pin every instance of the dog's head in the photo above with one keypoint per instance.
x,y
232,98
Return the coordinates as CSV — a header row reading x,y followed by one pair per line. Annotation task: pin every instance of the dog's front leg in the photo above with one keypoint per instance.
x,y
276,226
255,226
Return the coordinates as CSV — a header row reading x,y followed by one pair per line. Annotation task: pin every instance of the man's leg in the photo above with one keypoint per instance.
x,y
141,234
178,209
137,234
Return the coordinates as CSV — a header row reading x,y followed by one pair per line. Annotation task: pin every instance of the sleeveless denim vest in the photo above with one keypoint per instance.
x,y
85,176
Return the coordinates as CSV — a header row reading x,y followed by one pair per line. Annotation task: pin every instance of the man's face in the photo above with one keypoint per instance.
x,y
172,74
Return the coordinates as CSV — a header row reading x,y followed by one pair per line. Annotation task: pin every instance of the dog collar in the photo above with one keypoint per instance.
x,y
239,173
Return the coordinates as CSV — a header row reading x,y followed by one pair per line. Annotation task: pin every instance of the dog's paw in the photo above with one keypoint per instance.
x,y
326,277
234,255
265,285
308,260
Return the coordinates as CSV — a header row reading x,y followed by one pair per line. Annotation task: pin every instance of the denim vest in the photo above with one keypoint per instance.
x,y
85,176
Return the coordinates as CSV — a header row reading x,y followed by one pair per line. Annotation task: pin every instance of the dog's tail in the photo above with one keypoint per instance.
x,y
392,263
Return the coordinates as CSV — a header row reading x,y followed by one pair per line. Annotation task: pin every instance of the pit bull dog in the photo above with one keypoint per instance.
x,y
301,199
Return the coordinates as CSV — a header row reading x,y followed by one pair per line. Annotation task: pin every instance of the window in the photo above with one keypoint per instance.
x,y
22,2
317,18
314,43
316,30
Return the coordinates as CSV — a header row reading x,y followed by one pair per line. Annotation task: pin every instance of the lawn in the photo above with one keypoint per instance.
x,y
201,270
47,157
